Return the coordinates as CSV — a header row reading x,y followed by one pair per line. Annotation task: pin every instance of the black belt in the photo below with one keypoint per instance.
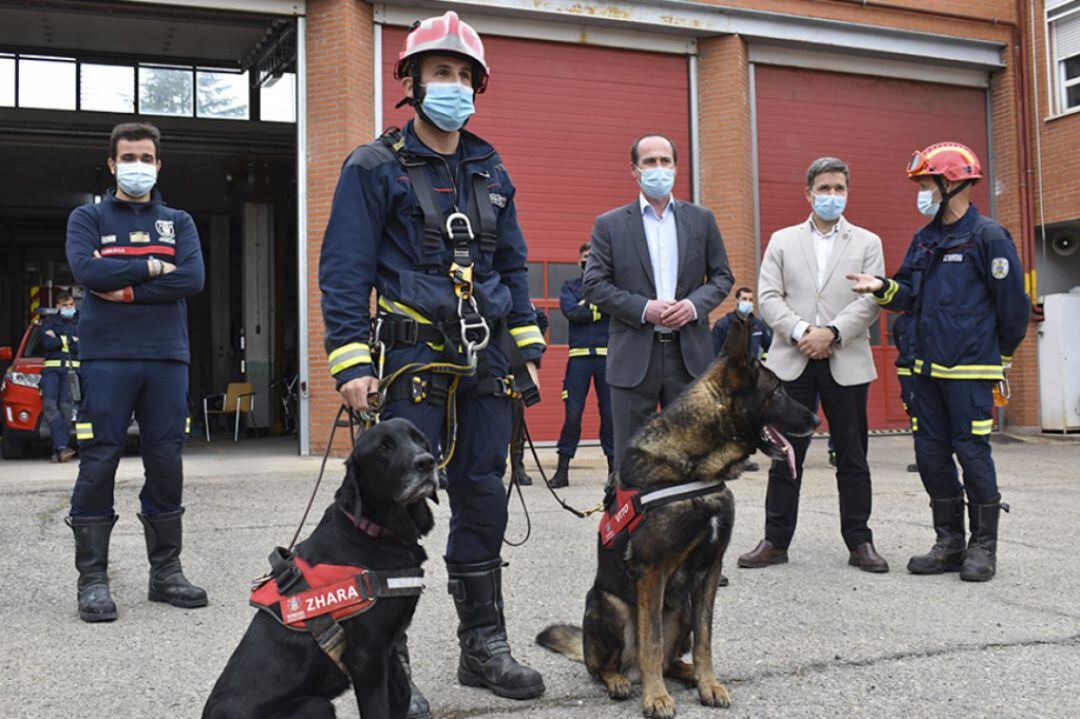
x,y
665,337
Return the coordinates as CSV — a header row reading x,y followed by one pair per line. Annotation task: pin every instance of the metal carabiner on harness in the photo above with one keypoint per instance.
x,y
472,324
459,230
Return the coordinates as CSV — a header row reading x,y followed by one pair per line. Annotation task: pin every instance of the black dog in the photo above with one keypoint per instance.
x,y
656,581
375,521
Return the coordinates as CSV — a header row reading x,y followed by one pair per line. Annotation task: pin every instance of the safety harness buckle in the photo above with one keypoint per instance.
x,y
475,332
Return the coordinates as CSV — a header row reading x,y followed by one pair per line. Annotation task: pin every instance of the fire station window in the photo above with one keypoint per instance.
x,y
558,327
1063,29
536,279
558,273
277,99
221,94
47,82
106,88
166,91
7,81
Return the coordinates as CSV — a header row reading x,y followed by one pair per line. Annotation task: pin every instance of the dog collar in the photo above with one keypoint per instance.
x,y
371,529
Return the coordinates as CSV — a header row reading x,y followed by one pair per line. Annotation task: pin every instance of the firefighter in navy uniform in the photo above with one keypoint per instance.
x,y
962,281
427,217
138,260
60,340
903,331
588,330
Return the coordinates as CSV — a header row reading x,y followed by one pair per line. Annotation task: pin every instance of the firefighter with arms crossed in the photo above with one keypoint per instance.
x,y
962,282
426,217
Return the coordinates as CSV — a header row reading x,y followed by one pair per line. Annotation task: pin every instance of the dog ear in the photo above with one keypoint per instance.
x,y
348,494
739,366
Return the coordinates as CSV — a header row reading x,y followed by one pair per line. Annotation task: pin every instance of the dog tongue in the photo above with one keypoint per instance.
x,y
788,449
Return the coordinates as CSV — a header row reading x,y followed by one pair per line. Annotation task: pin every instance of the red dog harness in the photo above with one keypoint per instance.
x,y
315,597
627,508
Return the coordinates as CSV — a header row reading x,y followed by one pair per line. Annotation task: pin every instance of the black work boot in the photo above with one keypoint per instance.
x,y
561,478
163,544
92,561
947,554
980,563
485,651
517,463
418,704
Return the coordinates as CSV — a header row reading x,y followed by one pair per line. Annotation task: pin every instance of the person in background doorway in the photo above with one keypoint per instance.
x,y
60,340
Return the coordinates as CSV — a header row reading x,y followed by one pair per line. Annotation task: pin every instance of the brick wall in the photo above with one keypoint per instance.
x,y
340,98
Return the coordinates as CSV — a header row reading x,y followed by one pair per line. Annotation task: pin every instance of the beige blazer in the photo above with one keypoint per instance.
x,y
788,292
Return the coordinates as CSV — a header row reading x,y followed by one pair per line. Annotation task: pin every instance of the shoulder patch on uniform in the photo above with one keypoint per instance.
x,y
999,267
165,229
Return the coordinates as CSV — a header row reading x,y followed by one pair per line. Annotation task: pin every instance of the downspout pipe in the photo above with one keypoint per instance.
x,y
1023,118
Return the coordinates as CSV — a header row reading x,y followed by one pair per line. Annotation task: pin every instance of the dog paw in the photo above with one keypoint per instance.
x,y
713,694
618,687
658,706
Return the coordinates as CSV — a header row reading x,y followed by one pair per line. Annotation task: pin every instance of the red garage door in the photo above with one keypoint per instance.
x,y
873,124
562,117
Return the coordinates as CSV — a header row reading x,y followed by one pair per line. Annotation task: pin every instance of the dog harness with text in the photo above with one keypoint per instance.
x,y
628,506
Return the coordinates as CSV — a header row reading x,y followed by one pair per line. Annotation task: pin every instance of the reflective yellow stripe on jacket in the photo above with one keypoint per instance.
x,y
348,356
961,371
982,426
527,335
891,288
588,351
84,430
903,371
61,363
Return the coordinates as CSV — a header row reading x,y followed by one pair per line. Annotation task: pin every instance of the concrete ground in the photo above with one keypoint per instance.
x,y
814,638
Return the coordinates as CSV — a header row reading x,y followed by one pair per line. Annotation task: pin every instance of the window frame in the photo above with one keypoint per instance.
x,y
1058,85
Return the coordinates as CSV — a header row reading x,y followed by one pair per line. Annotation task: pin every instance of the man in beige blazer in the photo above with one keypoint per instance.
x,y
821,348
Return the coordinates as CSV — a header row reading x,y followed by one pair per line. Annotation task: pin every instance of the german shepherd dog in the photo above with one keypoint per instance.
x,y
655,588
277,672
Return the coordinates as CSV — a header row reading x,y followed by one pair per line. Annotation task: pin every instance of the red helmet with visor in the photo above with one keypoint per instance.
x,y
448,34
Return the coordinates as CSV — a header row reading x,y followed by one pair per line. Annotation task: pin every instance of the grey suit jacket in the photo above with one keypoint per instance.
x,y
619,280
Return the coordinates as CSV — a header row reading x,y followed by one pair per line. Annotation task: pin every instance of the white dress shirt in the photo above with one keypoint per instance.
x,y
823,247
663,242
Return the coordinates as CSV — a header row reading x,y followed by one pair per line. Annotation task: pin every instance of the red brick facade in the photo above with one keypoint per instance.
x,y
339,96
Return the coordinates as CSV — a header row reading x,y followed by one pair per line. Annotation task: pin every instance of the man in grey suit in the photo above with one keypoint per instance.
x,y
658,267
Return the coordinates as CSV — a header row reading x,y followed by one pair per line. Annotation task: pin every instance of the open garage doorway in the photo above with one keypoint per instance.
x,y
221,87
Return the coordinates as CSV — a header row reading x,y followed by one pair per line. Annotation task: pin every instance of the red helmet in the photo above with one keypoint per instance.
x,y
953,161
445,33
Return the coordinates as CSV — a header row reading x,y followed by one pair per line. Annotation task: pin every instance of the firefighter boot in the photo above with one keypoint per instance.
x,y
163,544
561,478
947,554
485,651
980,564
517,461
92,561
418,704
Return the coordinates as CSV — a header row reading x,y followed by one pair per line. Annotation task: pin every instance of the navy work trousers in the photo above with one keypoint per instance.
x,y
156,391
56,405
579,372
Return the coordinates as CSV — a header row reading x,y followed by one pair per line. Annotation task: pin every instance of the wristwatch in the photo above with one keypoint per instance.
x,y
836,333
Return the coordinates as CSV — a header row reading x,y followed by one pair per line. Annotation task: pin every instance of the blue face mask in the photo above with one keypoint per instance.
x,y
136,179
829,207
656,182
67,312
745,307
926,204
448,104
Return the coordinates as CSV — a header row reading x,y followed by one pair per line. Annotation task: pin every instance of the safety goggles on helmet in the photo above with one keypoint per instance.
x,y
951,160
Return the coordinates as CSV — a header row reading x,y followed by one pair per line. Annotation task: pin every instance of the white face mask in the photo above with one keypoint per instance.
x,y
926,204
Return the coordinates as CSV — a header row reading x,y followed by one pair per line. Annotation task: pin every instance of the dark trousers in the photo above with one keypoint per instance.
x,y
474,475
664,381
845,408
56,405
156,391
955,417
579,372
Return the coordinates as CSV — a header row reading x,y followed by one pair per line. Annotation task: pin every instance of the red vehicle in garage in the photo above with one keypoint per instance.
x,y
20,398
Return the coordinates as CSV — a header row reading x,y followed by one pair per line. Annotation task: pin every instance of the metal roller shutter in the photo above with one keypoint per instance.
x,y
562,117
873,124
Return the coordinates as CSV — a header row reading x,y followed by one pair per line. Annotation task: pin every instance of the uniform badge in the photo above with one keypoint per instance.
x,y
108,239
954,257
999,267
497,199
135,237
165,229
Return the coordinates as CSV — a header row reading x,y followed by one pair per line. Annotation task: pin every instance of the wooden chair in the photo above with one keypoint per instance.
x,y
238,399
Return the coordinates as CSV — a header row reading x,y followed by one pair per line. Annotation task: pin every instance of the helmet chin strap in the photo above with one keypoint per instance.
x,y
946,195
